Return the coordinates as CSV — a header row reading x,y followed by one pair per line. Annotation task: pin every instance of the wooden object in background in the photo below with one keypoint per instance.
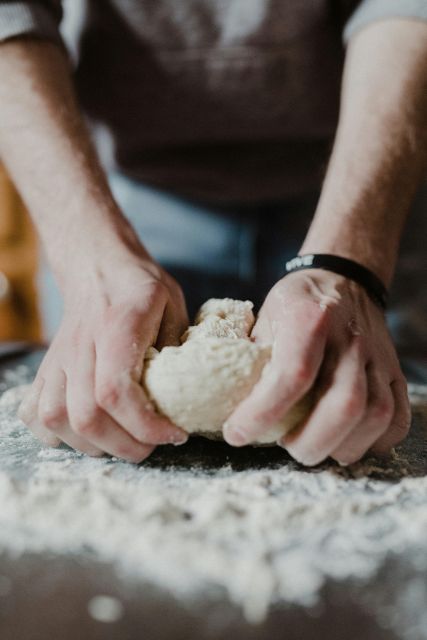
x,y
19,317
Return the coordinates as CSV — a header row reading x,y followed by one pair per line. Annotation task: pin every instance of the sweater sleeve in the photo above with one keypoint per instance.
x,y
370,11
37,18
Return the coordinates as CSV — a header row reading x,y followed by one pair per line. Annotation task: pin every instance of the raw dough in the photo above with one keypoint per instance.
x,y
198,384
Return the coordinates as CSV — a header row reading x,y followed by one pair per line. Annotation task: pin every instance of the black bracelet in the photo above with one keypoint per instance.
x,y
344,267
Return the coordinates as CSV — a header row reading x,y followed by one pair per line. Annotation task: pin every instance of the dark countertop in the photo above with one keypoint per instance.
x,y
47,596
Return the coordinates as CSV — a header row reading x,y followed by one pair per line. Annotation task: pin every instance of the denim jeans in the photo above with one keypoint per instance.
x,y
240,252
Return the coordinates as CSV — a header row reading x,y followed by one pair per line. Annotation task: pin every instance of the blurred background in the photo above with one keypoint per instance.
x,y
19,313
25,305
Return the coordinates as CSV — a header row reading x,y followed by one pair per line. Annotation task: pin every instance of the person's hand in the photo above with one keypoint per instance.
x,y
87,392
326,332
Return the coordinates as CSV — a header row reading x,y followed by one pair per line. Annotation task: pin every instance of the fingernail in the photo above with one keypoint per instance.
x,y
342,464
235,436
301,458
286,442
179,438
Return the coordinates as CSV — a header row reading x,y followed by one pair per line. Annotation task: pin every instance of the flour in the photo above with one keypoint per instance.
x,y
105,609
259,536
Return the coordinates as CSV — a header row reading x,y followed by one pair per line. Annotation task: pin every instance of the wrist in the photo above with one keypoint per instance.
x,y
345,267
373,249
95,241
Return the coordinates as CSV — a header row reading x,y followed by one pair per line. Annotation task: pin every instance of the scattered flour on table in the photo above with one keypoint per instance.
x,y
105,609
260,536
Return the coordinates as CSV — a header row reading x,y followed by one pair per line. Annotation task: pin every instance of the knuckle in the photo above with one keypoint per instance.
x,y
86,423
383,410
352,406
108,394
81,427
53,417
302,373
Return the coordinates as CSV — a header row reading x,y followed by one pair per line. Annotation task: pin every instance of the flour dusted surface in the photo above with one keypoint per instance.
x,y
260,536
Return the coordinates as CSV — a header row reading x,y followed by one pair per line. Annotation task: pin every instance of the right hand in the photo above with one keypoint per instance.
x,y
87,392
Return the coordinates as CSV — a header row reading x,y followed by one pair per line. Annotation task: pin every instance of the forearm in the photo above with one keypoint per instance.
x,y
117,303
380,149
47,150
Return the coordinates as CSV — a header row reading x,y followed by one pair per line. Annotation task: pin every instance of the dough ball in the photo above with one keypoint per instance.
x,y
199,384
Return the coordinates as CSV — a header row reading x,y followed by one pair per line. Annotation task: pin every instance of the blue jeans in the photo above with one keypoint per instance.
x,y
241,251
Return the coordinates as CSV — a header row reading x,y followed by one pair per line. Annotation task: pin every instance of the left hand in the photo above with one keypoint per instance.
x,y
326,332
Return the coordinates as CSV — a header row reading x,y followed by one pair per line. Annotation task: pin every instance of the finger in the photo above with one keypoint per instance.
x,y
89,424
336,413
401,420
174,323
28,409
28,413
53,414
119,361
262,329
374,423
297,354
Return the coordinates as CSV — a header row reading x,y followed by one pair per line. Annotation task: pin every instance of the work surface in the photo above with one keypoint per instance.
x,y
51,595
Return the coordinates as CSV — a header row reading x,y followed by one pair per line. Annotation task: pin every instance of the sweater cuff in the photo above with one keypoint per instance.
x,y
29,18
375,10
